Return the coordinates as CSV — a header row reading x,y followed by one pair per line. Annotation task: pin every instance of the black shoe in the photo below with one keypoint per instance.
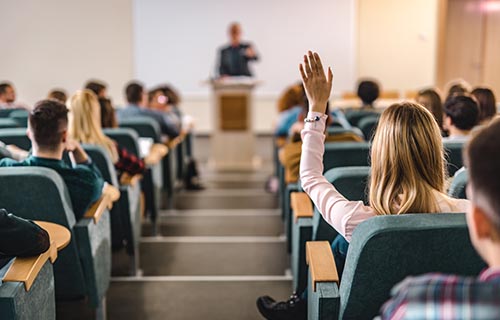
x,y
294,308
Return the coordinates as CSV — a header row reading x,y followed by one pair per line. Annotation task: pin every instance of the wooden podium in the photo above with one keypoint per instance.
x,y
233,141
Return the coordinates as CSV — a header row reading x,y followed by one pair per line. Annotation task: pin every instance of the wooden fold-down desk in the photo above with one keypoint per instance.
x,y
233,140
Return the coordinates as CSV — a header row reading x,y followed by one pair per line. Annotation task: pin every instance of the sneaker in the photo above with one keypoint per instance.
x,y
294,308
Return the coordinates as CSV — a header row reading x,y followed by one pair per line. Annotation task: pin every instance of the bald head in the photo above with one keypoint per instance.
x,y
235,33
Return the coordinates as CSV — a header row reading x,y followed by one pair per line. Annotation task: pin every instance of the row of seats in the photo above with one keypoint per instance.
x,y
346,165
84,266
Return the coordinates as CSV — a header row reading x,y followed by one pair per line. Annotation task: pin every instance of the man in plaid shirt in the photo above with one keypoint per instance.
x,y
438,296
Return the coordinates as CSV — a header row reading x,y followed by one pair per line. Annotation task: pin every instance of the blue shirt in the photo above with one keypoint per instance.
x,y
133,110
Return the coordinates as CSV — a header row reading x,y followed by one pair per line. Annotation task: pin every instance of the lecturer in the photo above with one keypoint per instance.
x,y
235,57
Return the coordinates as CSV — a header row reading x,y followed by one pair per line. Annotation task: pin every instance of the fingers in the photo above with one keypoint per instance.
x,y
302,73
319,65
330,75
308,67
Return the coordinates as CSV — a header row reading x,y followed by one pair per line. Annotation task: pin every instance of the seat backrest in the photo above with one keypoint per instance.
x,y
368,125
459,184
346,154
386,249
8,123
354,116
39,193
20,116
101,159
127,138
453,152
351,182
16,136
144,126
333,131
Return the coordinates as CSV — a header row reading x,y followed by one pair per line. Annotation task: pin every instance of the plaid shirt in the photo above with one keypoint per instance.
x,y
437,296
128,162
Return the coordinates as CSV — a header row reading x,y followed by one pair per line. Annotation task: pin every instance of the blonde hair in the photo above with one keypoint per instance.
x,y
407,161
85,122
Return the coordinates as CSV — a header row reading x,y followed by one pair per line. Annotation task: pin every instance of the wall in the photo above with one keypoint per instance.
x,y
57,43
397,42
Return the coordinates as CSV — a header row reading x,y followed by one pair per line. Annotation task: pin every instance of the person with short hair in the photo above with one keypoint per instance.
x,y
8,97
439,296
58,95
48,132
98,87
368,92
487,104
461,114
137,98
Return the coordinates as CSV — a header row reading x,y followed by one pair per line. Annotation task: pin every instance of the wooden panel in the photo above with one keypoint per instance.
x,y
301,205
233,113
322,267
492,52
60,235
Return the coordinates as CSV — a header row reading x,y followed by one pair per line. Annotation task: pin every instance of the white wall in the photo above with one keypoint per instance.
x,y
58,43
397,42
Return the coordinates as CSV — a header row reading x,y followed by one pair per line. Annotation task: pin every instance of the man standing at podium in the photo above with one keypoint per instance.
x,y
235,57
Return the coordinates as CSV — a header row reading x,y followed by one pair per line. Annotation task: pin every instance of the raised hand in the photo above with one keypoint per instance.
x,y
317,84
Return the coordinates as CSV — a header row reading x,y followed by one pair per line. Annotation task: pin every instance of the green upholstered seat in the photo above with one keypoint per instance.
x,y
351,182
20,116
8,123
125,214
144,126
386,249
459,184
346,154
16,136
38,303
354,116
83,268
453,151
367,125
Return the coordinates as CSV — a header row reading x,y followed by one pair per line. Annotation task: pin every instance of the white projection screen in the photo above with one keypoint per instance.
x,y
177,41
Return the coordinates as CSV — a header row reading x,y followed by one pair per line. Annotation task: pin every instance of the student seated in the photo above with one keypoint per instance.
x,y
407,174
48,132
85,127
438,296
158,101
460,117
108,114
136,98
58,95
290,106
457,87
431,100
98,87
368,92
487,104
8,97
20,238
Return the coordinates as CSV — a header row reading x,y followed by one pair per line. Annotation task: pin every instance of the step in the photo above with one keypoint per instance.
x,y
196,256
164,298
226,199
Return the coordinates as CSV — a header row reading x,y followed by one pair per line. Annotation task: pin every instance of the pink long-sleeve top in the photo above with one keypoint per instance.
x,y
340,213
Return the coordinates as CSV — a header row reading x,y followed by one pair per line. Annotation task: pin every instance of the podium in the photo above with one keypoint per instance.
x,y
233,140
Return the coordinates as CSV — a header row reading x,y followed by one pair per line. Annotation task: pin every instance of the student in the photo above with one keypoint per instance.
x,y
457,87
460,116
487,104
20,238
85,127
48,132
368,92
158,101
407,175
98,87
437,296
108,114
8,97
58,95
136,98
431,100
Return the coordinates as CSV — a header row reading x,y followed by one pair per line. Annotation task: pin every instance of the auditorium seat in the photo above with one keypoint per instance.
x,y
8,123
126,213
367,125
308,224
458,185
383,251
354,116
83,268
20,116
453,151
15,136
333,131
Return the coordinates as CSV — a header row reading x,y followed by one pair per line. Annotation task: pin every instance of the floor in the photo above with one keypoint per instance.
x,y
216,252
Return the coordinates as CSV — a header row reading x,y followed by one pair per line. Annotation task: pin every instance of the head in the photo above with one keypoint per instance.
x,y
407,161
172,95
487,103
460,112
85,121
7,93
235,33
134,92
98,87
157,99
368,91
48,125
108,115
431,100
58,95
293,96
482,158
457,87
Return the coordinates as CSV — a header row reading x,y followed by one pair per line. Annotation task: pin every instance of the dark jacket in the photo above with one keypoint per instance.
x,y
234,62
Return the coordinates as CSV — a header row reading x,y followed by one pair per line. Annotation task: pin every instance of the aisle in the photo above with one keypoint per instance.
x,y
217,251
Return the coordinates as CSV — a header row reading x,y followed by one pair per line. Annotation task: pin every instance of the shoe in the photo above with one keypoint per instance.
x,y
195,187
294,308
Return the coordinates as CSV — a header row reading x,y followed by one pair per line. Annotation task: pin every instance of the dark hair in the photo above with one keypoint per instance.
x,y
482,158
153,92
108,116
487,103
172,95
95,86
368,91
463,111
58,94
133,92
436,105
48,120
457,89
4,86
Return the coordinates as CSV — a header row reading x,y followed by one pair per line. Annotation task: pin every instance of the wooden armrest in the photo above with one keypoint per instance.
x,y
174,142
322,267
60,235
98,208
128,180
301,205
112,192
280,142
26,269
157,152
